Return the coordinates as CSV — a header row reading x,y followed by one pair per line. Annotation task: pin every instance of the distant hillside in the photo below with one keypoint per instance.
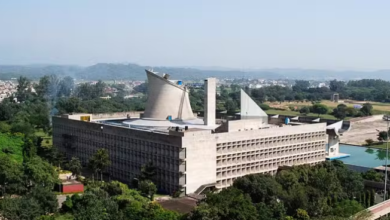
x,y
36,71
108,71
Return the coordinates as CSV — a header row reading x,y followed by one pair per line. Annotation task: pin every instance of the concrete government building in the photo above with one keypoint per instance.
x,y
191,153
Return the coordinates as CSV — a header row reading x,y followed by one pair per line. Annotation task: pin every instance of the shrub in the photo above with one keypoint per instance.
x,y
264,106
304,110
369,142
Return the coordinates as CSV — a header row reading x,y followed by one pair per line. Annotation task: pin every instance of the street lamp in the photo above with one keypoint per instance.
x,y
386,117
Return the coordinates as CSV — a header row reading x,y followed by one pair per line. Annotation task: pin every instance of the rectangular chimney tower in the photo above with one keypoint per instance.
x,y
210,101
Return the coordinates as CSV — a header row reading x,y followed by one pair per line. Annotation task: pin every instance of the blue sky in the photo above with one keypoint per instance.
x,y
327,34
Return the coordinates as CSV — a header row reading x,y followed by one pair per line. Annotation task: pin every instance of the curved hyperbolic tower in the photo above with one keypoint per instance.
x,y
167,98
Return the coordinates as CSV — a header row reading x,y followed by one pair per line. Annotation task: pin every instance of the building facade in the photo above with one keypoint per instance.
x,y
194,154
188,159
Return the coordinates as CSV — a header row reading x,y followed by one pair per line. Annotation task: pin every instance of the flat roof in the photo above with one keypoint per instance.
x,y
196,123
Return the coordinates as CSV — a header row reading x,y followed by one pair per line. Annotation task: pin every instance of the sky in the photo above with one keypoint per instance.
x,y
247,34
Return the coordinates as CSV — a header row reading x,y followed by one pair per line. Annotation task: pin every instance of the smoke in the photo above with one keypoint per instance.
x,y
52,93
57,87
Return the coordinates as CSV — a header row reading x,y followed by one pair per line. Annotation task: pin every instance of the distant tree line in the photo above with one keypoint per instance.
x,y
360,90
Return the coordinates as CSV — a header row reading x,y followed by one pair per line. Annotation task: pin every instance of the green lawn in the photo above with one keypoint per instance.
x,y
379,145
11,145
294,113
378,107
66,216
47,140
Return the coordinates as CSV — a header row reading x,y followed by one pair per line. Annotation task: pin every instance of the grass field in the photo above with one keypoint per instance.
x,y
66,216
11,145
379,108
379,145
47,140
294,113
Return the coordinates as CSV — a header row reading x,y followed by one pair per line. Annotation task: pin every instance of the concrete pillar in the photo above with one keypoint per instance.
x,y
334,145
210,101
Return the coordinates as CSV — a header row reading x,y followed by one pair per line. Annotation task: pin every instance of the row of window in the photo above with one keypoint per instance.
x,y
245,164
114,141
223,183
266,166
303,146
318,134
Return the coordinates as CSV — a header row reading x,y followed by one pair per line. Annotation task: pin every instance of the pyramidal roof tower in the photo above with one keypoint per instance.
x,y
249,108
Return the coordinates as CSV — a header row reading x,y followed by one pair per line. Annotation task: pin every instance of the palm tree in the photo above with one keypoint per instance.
x,y
100,161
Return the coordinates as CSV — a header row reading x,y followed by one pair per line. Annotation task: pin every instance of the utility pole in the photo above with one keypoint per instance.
x,y
387,155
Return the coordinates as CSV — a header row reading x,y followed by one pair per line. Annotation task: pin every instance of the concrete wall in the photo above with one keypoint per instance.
x,y
166,99
359,169
77,116
272,131
263,151
247,124
210,101
132,114
200,159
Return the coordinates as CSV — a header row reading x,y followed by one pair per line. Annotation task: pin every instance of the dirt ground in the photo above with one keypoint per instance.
x,y
364,129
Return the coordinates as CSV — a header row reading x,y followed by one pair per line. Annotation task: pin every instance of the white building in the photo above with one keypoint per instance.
x,y
192,154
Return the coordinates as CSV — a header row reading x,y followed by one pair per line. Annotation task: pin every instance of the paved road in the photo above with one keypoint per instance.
x,y
61,199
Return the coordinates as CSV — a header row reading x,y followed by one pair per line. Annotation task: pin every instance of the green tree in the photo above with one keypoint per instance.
x,y
320,109
373,176
114,188
39,173
366,109
300,85
4,127
46,199
42,88
340,112
369,142
205,212
147,188
67,206
337,86
148,171
304,110
260,187
95,204
347,208
382,135
23,90
351,111
29,149
230,106
100,161
74,166
20,208
230,203
264,211
142,88
11,177
287,179
302,215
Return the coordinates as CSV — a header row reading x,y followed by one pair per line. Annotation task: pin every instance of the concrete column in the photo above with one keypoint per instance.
x,y
334,145
210,101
